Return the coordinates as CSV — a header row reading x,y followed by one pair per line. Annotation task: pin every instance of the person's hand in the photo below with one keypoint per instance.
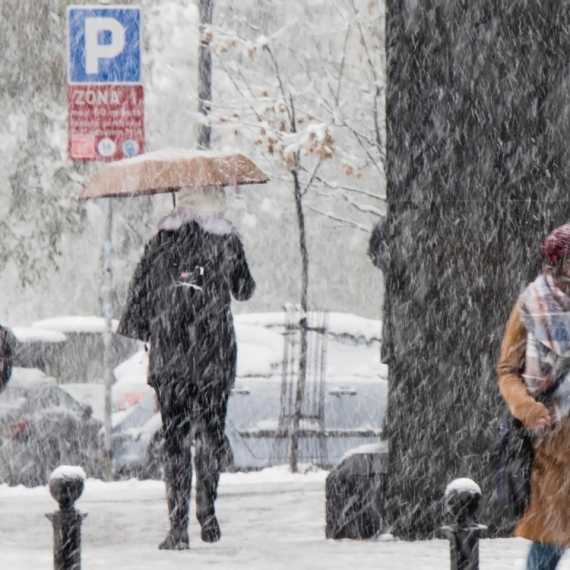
x,y
544,422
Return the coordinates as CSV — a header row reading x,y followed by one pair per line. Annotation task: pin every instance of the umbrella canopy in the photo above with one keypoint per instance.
x,y
169,169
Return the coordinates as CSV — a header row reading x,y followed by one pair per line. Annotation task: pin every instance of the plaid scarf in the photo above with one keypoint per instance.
x,y
545,313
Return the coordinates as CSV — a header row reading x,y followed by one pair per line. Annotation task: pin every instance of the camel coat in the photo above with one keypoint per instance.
x,y
547,517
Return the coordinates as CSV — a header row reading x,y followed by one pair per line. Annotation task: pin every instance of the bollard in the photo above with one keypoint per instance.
x,y
66,485
462,500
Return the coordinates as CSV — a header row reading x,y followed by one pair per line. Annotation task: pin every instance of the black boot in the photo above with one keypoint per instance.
x,y
178,481
207,478
175,540
210,529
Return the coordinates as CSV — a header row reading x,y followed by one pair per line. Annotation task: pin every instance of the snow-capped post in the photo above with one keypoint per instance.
x,y
66,485
206,8
462,499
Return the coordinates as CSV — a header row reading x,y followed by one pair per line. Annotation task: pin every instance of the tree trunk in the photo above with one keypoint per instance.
x,y
206,9
478,170
302,374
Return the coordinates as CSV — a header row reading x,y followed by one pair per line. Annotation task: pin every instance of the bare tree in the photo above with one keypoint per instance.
x,y
311,108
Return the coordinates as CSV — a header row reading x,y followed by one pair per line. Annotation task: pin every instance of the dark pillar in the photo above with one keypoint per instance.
x,y
478,124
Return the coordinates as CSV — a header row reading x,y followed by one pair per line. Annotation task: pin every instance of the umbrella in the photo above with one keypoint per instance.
x,y
169,169
152,173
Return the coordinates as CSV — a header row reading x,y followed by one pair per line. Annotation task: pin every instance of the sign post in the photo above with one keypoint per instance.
x,y
105,110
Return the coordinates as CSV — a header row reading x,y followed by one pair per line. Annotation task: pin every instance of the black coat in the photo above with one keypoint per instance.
x,y
179,300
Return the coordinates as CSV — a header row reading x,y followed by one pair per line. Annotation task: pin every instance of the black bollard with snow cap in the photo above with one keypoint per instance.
x,y
66,485
462,500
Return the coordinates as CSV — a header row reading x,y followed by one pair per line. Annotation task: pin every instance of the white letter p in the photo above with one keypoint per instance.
x,y
94,51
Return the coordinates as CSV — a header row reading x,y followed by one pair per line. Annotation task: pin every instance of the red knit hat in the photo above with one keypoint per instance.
x,y
556,245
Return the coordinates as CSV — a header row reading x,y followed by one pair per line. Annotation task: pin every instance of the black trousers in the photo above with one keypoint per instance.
x,y
200,420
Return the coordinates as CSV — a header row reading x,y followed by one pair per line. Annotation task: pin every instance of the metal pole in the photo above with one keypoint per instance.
x,y
464,548
107,340
206,8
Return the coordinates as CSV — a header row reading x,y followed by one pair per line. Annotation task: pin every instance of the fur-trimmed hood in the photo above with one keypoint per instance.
x,y
212,222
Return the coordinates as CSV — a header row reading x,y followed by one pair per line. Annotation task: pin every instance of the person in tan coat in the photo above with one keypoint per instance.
x,y
535,350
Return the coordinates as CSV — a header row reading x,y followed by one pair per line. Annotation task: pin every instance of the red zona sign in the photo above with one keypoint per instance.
x,y
105,122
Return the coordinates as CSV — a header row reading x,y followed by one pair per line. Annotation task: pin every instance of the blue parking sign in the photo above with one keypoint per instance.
x,y
104,44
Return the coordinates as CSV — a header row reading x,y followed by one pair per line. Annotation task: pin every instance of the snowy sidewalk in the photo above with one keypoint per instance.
x,y
270,520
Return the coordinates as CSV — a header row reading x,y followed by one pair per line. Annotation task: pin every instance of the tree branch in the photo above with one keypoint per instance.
x,y
340,73
281,86
237,87
308,185
350,189
339,219
242,18
363,209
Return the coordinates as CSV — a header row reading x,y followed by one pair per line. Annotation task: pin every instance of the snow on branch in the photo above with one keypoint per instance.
x,y
338,219
336,186
365,209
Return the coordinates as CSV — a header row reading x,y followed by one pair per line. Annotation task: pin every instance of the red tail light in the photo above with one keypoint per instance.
x,y
14,430
128,400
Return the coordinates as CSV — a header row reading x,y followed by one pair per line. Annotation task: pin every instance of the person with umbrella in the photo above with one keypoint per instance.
x,y
179,301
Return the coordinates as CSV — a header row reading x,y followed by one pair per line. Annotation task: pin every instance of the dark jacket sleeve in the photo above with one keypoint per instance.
x,y
240,279
135,319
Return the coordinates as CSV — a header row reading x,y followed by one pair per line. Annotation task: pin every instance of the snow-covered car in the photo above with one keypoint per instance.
x,y
353,406
354,402
41,427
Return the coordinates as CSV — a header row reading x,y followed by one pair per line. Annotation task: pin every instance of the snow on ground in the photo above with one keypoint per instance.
x,y
270,519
